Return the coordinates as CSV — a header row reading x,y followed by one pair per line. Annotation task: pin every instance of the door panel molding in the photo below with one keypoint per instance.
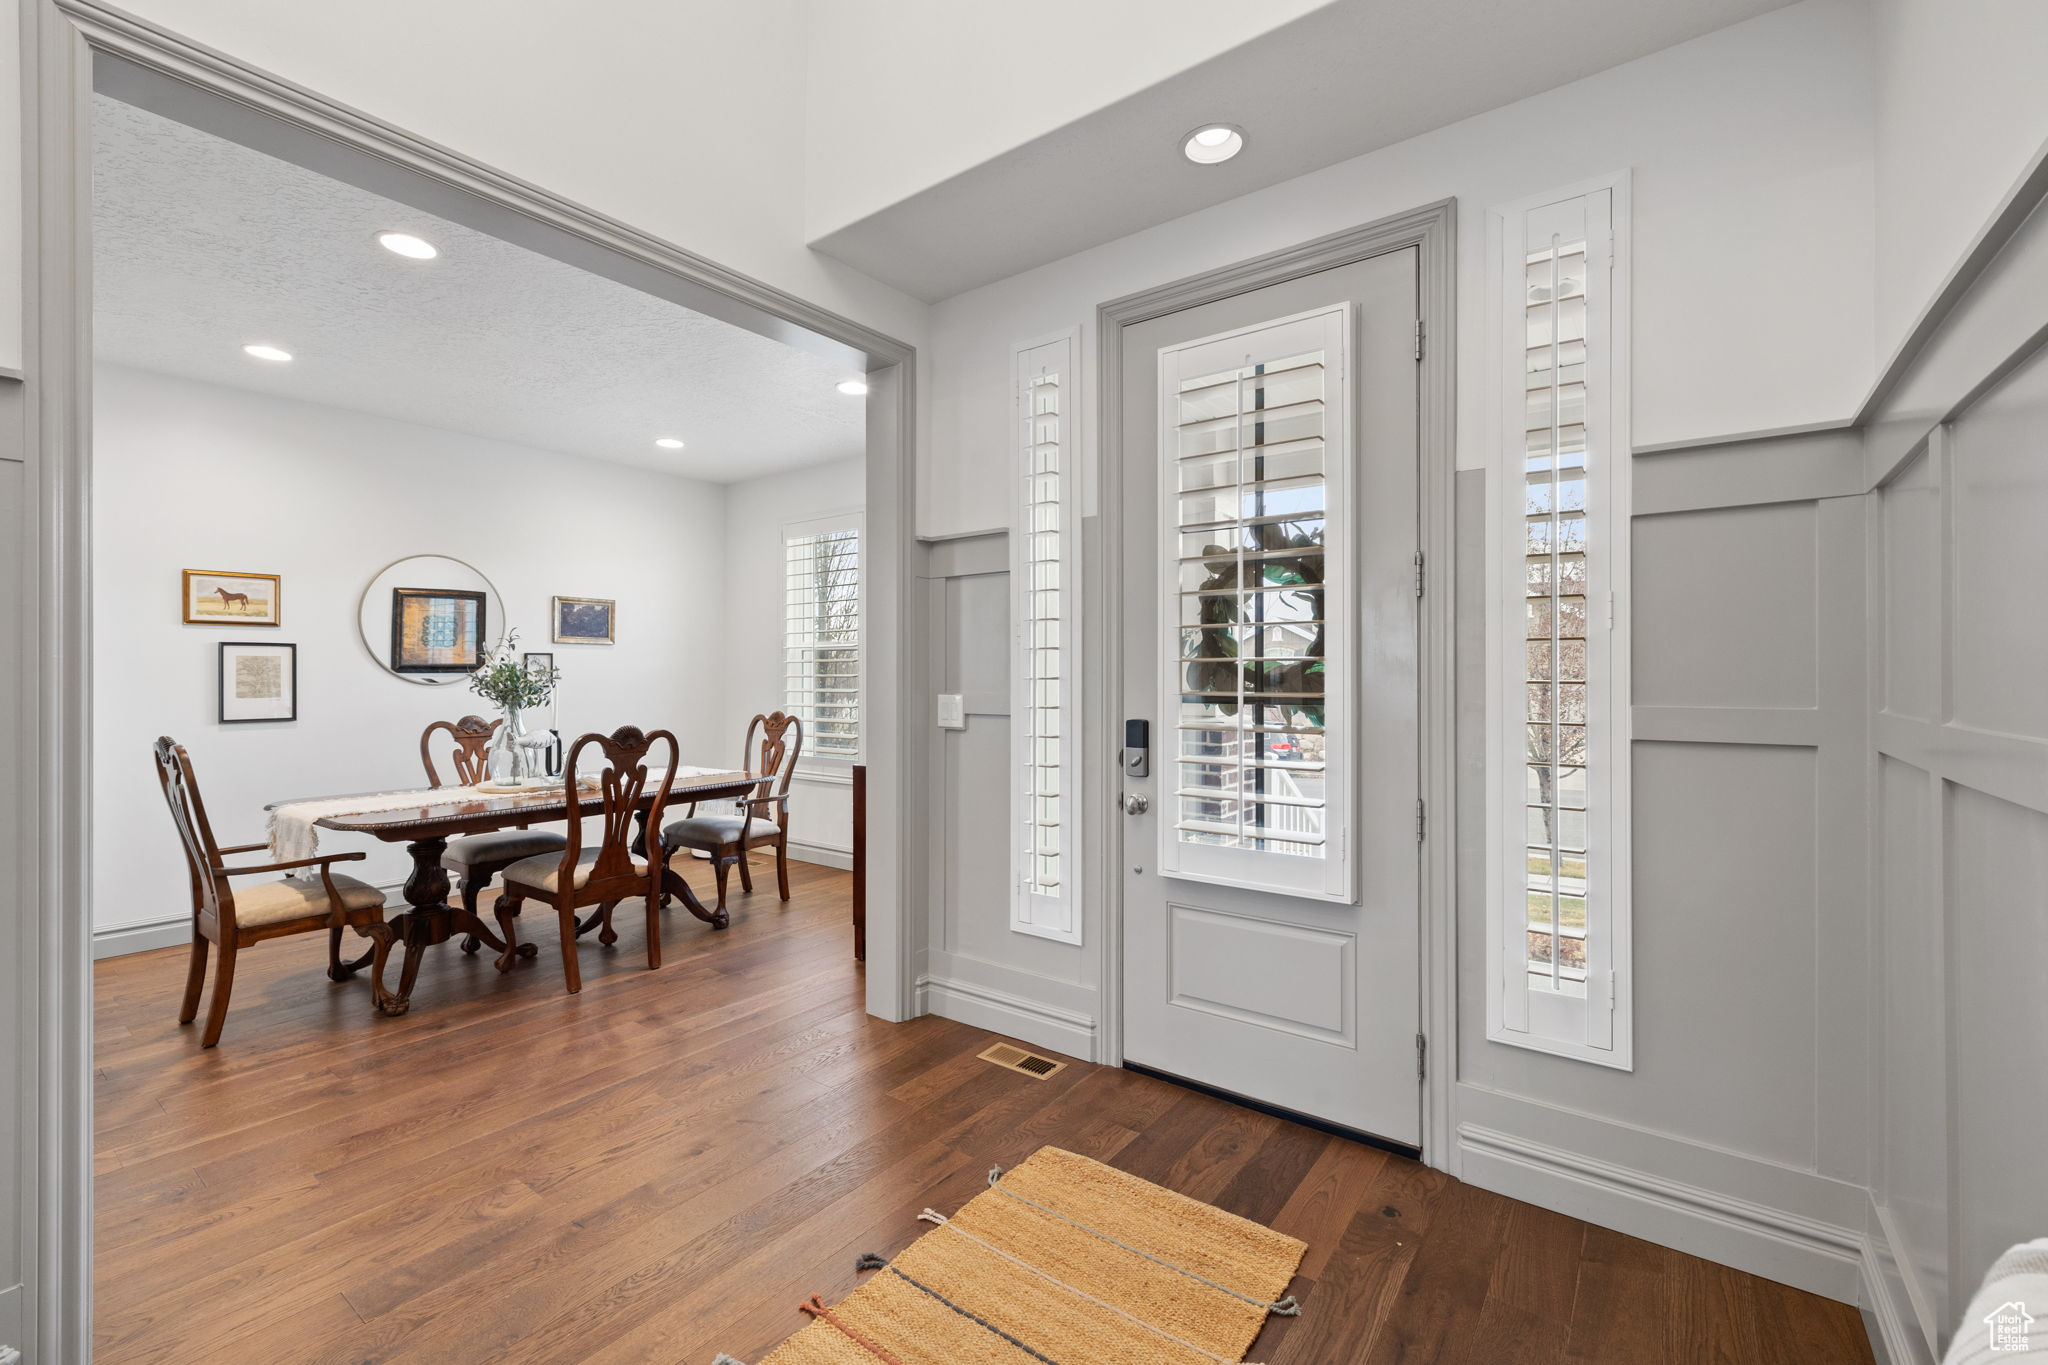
x,y
1190,986
1432,230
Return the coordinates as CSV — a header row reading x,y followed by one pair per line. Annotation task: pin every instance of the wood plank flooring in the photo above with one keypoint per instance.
x,y
660,1168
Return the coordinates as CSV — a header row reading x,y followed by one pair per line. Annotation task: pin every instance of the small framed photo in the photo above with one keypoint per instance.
x,y
437,630
586,621
215,597
539,663
258,681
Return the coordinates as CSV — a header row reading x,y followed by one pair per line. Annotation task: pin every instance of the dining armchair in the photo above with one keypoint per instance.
x,y
608,872
476,858
761,820
235,919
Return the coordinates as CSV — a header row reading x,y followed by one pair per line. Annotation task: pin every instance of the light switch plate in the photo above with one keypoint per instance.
x,y
952,711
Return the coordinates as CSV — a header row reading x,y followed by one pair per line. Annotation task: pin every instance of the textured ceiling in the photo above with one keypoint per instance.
x,y
202,246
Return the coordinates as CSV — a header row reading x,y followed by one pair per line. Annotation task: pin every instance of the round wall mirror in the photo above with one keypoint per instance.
x,y
428,619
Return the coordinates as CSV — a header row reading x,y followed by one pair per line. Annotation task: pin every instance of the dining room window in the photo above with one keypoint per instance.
x,y
821,633
1559,934
1044,574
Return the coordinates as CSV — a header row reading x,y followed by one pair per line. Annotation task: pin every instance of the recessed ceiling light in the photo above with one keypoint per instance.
x,y
853,388
407,245
668,443
262,352
1212,143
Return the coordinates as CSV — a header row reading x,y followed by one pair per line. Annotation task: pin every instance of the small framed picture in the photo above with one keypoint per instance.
x,y
539,663
586,621
215,597
258,681
437,630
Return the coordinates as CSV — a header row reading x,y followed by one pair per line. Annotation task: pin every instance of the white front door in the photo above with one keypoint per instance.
x,y
1271,882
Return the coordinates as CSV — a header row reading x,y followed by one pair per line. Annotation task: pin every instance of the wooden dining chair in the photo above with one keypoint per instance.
x,y
727,839
608,872
235,919
476,858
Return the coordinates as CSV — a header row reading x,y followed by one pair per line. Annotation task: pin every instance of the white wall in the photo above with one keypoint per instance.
x,y
1002,76
1752,155
1962,108
750,651
194,476
1751,152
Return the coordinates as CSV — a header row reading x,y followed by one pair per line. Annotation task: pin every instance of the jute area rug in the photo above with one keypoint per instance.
x,y
1064,1261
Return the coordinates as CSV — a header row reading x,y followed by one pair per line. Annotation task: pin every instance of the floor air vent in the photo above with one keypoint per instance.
x,y
1017,1059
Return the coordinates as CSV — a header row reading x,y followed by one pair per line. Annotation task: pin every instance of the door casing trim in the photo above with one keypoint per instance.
x,y
1432,230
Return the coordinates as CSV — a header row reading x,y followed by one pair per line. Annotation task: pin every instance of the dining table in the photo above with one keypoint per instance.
x,y
444,813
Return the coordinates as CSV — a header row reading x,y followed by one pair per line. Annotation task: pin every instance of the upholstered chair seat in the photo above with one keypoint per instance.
x,y
708,832
295,898
477,858
615,868
501,846
543,871
233,917
728,839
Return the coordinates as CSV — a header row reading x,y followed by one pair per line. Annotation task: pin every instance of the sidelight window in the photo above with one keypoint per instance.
x,y
1559,934
1044,575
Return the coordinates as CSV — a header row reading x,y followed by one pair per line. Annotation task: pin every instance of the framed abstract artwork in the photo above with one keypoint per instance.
x,y
216,597
437,630
586,621
258,681
539,663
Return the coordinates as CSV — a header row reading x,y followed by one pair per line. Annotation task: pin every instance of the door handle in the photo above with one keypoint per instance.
x,y
1135,803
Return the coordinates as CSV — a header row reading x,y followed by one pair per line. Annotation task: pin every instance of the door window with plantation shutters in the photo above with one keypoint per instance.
x,y
1256,472
1559,940
821,633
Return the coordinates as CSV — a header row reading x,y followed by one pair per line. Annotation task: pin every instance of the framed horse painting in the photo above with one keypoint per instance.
x,y
215,597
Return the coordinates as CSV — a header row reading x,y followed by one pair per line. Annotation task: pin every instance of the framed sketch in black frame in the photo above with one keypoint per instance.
x,y
538,663
437,630
586,621
258,681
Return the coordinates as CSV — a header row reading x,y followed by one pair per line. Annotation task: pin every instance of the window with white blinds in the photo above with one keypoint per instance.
x,y
1044,575
1258,539
1559,941
821,633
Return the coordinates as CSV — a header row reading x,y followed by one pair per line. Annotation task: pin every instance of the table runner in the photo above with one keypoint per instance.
x,y
293,835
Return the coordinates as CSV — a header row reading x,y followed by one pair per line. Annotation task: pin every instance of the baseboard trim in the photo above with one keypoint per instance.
x,y
1041,1025
119,940
824,855
1807,1253
1898,1326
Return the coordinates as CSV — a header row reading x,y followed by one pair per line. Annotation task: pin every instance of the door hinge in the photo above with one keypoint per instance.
x,y
1421,1057
1418,338
1421,819
1610,992
1418,573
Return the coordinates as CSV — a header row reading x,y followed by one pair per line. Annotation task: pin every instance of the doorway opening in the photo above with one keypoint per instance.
x,y
479,488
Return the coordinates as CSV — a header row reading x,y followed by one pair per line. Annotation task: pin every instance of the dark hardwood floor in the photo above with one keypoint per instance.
x,y
660,1168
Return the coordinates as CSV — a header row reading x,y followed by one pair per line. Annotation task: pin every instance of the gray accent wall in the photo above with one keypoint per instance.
x,y
1747,892
974,967
1959,764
